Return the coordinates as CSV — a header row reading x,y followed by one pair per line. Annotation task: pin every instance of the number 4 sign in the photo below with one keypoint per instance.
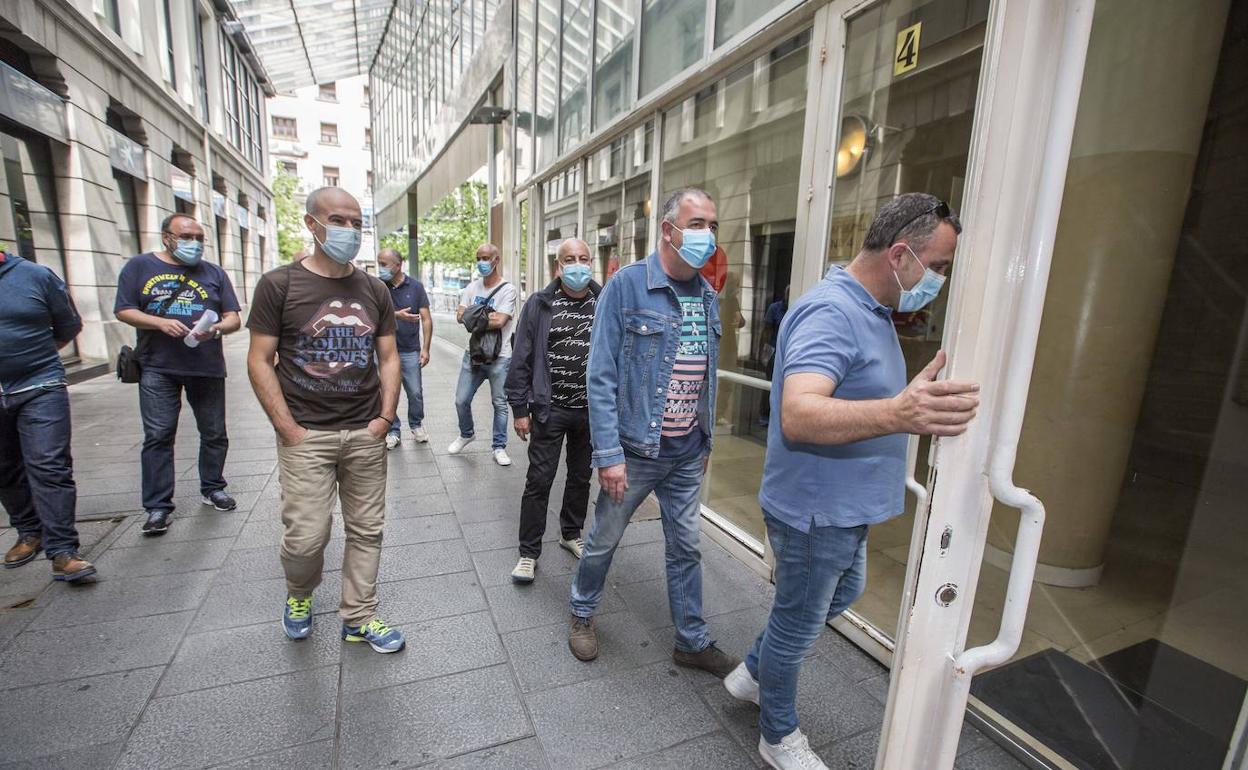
x,y
907,56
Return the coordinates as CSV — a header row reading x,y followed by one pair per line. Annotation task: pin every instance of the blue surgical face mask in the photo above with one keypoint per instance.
x,y
385,274
188,251
341,244
696,246
575,276
923,292
485,267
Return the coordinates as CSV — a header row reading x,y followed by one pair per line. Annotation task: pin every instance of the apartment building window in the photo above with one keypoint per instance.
x,y
200,70
364,102
328,92
241,99
368,181
329,175
170,61
329,133
109,10
289,166
368,138
285,128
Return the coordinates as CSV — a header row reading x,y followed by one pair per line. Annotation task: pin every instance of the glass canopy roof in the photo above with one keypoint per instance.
x,y
305,42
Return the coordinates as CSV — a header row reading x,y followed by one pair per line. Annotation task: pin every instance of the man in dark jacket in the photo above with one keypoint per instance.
x,y
546,390
37,318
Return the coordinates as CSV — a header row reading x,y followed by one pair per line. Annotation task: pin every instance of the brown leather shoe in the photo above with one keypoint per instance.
x,y
23,551
711,660
583,640
71,567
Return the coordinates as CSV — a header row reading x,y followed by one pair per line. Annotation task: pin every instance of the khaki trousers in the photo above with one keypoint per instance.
x,y
353,464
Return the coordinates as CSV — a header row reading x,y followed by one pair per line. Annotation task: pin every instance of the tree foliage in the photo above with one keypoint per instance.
x,y
396,240
453,229
289,215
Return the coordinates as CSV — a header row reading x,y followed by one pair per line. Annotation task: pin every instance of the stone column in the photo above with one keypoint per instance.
x,y
1141,115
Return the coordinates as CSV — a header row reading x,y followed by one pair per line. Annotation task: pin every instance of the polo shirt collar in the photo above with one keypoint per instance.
x,y
838,274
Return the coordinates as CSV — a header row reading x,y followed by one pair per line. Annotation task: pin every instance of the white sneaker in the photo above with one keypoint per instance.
x,y
575,546
523,573
419,434
392,440
741,685
458,445
793,752
500,457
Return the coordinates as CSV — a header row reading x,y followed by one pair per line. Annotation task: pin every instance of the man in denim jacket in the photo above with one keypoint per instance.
x,y
651,383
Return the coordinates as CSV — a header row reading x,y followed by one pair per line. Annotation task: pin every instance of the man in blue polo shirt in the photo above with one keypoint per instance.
x,y
836,458
413,320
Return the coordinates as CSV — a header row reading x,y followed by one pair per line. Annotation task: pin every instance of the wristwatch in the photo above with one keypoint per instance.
x,y
216,334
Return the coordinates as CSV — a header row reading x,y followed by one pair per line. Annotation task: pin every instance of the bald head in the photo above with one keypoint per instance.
x,y
572,250
392,260
324,198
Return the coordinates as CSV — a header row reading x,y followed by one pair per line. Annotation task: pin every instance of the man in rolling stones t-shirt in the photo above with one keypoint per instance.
x,y
331,406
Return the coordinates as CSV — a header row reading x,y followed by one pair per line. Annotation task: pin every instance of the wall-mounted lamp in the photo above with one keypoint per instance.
x,y
855,141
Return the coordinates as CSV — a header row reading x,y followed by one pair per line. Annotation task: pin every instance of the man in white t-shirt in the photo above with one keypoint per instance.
x,y
501,297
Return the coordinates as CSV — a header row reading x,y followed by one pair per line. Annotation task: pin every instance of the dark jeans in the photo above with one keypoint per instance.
x,y
36,470
160,402
545,441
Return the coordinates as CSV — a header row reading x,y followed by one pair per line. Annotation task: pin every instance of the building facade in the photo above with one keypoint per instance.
x,y
322,135
115,114
1098,296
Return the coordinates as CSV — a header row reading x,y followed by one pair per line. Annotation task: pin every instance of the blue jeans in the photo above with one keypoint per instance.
x,y
36,470
818,574
676,483
410,363
160,402
470,379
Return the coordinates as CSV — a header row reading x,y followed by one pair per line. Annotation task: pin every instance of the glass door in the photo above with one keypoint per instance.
x,y
903,123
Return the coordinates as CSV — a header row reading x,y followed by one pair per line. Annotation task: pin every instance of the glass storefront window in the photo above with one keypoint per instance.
x,y
732,16
741,140
524,93
128,231
547,80
617,208
673,36
613,60
561,196
573,107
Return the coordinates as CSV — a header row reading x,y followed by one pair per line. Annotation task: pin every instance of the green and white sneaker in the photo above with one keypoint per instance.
x,y
377,634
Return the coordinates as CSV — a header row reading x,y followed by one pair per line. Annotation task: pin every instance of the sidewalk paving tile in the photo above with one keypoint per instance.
x,y
157,557
434,718
434,648
525,754
579,724
52,655
114,598
207,727
241,654
80,713
708,752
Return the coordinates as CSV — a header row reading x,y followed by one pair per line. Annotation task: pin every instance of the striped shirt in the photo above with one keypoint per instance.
x,y
679,435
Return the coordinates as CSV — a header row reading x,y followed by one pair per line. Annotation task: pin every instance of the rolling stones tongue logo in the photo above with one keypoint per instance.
x,y
338,337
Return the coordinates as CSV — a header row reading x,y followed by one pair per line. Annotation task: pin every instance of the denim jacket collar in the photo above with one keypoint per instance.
x,y
657,277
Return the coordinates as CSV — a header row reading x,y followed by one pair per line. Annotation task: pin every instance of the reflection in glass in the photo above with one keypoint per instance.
x,y
618,202
673,35
573,108
741,140
561,195
547,80
613,59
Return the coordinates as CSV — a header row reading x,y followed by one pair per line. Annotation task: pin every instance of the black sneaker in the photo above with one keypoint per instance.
x,y
157,522
220,500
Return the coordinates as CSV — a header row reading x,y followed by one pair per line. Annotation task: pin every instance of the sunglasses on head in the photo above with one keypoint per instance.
x,y
940,209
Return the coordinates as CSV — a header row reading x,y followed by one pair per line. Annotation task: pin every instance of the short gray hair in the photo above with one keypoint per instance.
x,y
672,205
909,217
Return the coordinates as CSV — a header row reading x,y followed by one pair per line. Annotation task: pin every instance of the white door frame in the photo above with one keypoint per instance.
x,y
1025,112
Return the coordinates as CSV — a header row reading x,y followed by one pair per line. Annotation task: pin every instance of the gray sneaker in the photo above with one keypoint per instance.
x,y
583,640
